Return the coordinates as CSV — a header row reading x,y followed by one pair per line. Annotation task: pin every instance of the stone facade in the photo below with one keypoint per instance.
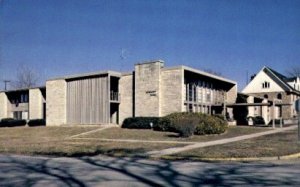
x,y
3,105
172,91
285,104
232,95
36,101
126,97
56,92
147,89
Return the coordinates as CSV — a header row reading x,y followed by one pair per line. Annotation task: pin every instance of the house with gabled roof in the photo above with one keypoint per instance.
x,y
278,89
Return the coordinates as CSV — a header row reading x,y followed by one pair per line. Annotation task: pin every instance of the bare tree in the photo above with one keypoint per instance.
x,y
25,78
294,71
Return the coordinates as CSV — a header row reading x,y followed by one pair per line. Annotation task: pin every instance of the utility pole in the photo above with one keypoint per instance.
x,y
5,84
273,121
297,107
224,105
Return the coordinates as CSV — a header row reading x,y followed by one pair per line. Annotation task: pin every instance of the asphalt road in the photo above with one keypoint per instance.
x,y
106,171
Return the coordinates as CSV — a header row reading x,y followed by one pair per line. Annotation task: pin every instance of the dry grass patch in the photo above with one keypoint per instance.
x,y
141,134
279,144
52,141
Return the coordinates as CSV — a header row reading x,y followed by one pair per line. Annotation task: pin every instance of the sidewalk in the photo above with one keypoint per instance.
x,y
170,151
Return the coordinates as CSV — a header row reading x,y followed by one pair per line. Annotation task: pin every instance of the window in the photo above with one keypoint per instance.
x,y
190,109
266,85
208,97
279,96
17,115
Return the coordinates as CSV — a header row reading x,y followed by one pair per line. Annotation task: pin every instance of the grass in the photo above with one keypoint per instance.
x,y
55,141
52,141
279,144
140,134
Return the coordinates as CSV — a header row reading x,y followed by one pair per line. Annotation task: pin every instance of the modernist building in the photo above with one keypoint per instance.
x,y
276,89
23,103
150,90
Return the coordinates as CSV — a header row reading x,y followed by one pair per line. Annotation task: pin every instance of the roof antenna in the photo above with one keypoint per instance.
x,y
123,56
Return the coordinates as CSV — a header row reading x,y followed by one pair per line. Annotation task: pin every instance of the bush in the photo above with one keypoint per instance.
x,y
258,120
211,125
8,122
166,123
206,124
186,126
140,122
36,122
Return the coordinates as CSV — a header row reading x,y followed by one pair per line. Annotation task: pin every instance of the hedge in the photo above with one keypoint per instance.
x,y
140,122
36,122
9,122
206,124
180,122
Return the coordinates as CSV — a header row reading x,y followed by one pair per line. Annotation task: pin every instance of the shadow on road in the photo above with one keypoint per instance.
x,y
90,171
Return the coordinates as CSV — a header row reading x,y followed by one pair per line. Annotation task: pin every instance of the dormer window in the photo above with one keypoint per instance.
x,y
266,85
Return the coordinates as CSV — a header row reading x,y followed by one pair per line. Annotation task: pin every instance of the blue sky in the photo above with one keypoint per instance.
x,y
61,37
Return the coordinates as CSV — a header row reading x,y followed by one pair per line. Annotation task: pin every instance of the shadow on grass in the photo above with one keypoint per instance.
x,y
117,152
91,171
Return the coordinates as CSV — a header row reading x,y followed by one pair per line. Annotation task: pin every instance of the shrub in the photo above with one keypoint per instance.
x,y
206,124
186,126
140,122
258,120
8,122
211,125
166,123
36,122
220,116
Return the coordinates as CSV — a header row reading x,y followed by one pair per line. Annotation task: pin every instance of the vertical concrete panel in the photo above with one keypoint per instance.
x,y
84,97
56,91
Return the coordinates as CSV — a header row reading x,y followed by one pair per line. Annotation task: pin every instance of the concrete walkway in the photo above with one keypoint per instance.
x,y
170,151
90,132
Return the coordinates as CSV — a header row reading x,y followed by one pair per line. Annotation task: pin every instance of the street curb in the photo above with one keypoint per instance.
x,y
285,157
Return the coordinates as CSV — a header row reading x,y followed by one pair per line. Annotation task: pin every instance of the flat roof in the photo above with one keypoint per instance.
x,y
202,73
23,89
92,74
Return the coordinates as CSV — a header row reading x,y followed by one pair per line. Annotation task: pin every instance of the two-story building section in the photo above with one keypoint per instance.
x,y
23,103
149,90
276,88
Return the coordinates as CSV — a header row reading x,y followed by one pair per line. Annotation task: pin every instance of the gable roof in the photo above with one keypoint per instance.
x,y
280,79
